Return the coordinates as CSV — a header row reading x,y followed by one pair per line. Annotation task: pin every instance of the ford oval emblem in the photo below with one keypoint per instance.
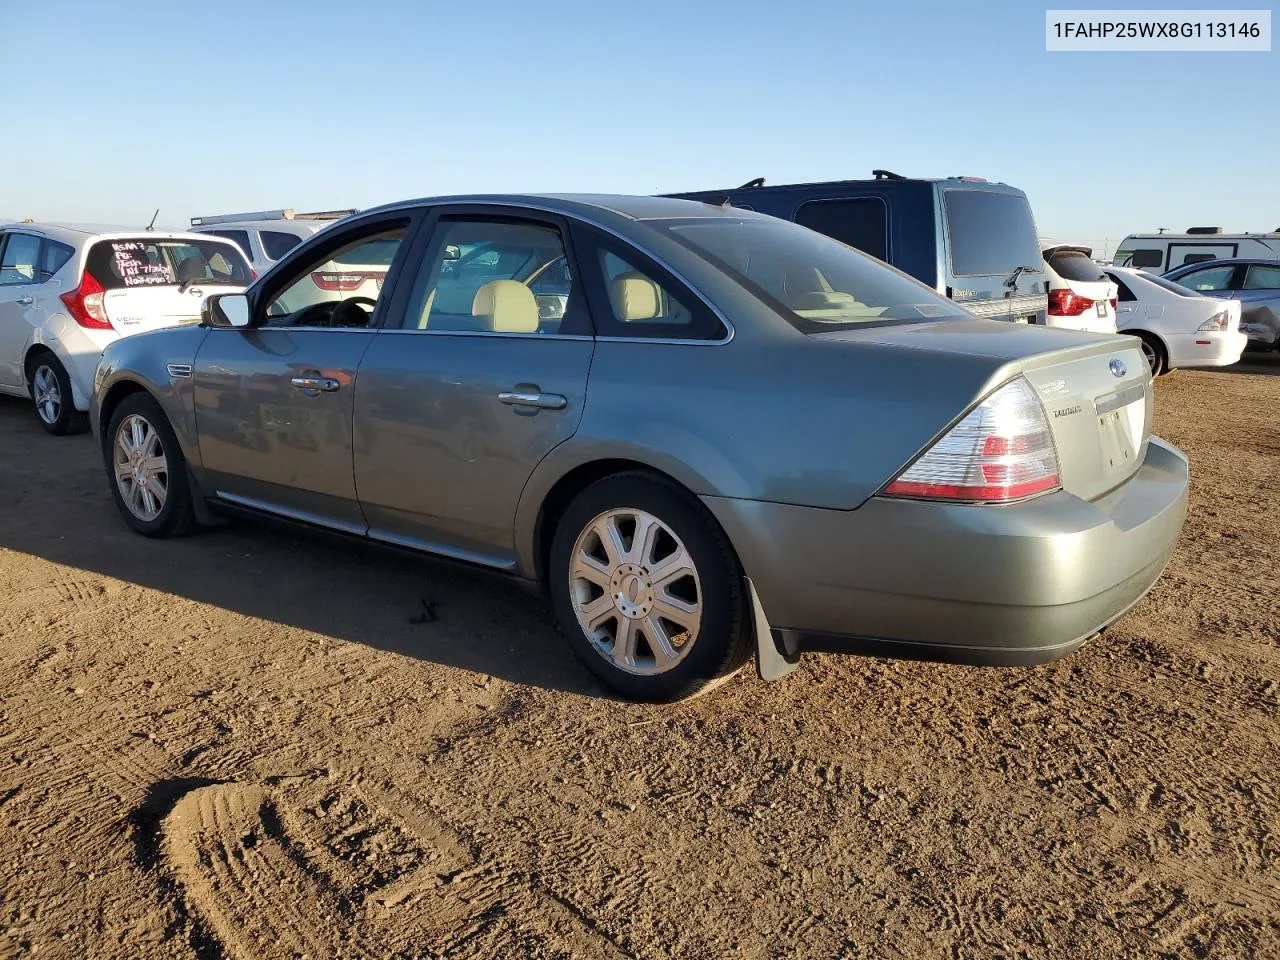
x,y
1118,369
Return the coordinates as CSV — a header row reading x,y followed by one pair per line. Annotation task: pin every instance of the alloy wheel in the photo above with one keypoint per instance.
x,y
1153,358
48,394
635,590
141,468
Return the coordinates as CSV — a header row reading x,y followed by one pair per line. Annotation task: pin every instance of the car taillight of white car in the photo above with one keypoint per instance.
x,y
1002,450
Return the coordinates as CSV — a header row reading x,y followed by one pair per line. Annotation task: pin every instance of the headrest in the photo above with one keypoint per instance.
x,y
191,268
506,306
635,297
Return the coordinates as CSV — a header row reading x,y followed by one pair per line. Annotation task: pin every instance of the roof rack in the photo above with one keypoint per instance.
x,y
887,175
288,213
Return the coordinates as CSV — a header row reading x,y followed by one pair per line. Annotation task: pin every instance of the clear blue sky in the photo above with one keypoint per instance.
x,y
114,109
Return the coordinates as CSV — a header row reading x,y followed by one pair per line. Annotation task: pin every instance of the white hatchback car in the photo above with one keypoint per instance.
x,y
66,292
1080,295
1178,327
266,236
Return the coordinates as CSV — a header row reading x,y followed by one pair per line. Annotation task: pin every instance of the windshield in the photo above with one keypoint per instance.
x,y
134,262
814,282
990,233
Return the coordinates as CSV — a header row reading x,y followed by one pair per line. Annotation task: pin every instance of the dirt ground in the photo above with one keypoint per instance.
x,y
241,744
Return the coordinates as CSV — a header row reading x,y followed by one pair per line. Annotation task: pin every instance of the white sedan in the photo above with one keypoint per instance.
x,y
1178,327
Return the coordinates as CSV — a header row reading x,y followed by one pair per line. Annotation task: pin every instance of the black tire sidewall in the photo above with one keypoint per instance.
x,y
1161,357
717,651
175,515
70,420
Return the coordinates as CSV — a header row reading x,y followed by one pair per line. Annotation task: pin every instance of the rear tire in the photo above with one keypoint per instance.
x,y
1154,351
146,469
52,397
647,590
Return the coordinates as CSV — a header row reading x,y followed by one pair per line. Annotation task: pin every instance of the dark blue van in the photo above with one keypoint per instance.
x,y
970,240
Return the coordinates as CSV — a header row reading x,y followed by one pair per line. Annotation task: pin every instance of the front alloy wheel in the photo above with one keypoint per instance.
x,y
141,468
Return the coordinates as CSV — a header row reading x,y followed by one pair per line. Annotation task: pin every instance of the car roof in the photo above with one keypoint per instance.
x,y
583,204
1231,261
279,225
74,233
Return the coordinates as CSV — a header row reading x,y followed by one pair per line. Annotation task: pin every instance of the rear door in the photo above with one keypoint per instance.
x,y
19,267
480,381
274,401
153,282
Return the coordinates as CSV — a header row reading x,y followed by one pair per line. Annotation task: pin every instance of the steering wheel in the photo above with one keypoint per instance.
x,y
351,312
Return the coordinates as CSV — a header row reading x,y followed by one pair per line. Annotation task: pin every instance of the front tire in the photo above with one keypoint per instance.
x,y
647,590
146,469
51,396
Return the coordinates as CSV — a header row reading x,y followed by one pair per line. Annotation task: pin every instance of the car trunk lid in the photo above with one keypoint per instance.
x,y
1095,388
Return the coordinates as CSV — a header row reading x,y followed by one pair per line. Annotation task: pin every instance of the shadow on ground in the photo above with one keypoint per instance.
x,y
57,506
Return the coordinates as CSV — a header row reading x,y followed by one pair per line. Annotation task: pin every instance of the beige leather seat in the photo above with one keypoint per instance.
x,y
506,306
635,297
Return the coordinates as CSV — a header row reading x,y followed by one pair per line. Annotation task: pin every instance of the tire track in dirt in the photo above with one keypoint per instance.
x,y
324,867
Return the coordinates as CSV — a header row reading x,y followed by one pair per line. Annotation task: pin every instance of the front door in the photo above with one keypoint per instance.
x,y
274,401
19,260
486,374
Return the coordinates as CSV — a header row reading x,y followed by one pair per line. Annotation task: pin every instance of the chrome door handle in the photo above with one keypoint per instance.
x,y
26,301
327,384
543,401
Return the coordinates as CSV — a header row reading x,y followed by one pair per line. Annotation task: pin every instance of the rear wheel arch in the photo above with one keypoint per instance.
x,y
1153,340
567,488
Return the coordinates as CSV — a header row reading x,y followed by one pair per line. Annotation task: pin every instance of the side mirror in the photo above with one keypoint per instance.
x,y
226,310
452,251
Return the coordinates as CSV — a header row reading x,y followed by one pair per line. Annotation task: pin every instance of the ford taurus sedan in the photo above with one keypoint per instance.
x,y
712,434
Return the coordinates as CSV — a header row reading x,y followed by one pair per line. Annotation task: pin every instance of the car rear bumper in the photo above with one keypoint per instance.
x,y
1214,349
1013,584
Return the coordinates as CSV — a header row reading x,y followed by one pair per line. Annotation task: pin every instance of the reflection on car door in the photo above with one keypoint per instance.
x,y
18,290
274,401
457,407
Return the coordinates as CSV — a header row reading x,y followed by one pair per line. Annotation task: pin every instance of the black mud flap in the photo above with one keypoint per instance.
x,y
772,662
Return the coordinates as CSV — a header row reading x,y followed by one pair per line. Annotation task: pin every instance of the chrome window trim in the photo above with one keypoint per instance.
x,y
555,336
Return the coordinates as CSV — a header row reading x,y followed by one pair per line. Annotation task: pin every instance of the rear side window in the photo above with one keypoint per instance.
x,y
1262,277
989,232
1125,293
860,223
1209,279
1074,265
143,262
1147,257
277,244
54,257
239,237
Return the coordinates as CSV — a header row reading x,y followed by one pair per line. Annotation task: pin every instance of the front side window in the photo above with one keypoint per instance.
x,y
343,288
495,276
20,259
814,282
129,262
1208,279
1124,293
276,244
1261,277
861,223
989,233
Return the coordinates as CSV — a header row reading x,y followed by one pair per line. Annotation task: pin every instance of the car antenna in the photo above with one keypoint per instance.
x,y
757,182
152,225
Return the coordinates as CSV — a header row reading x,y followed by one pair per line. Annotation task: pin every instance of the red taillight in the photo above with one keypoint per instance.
x,y
1003,450
85,305
344,282
1064,303
1115,304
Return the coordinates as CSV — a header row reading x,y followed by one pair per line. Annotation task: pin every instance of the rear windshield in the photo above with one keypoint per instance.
x,y
814,282
145,262
990,233
1074,265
